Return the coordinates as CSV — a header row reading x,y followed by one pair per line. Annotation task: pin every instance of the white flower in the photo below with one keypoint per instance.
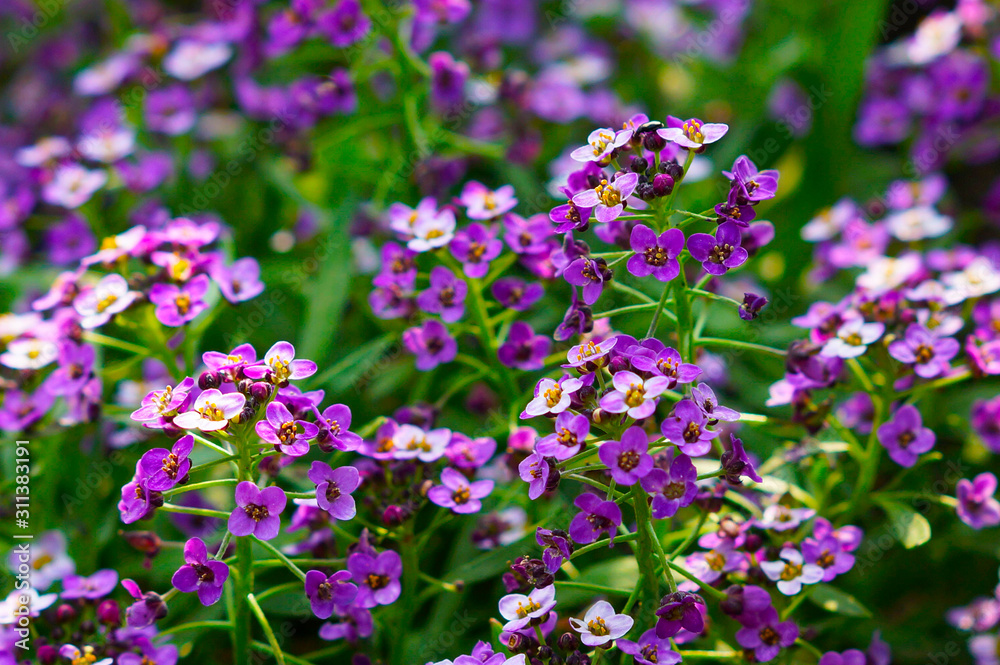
x,y
29,354
853,338
13,326
601,143
103,77
10,607
96,306
411,442
791,573
190,60
212,411
72,186
918,223
830,222
45,150
936,35
433,231
979,278
886,272
107,146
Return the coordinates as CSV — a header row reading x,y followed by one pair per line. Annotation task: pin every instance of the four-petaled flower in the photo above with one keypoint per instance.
x,y
608,199
601,624
257,511
333,489
211,411
655,255
633,395
458,493
201,574
628,459
721,252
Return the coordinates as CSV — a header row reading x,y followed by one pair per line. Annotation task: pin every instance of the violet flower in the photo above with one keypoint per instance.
x,y
458,494
516,294
159,405
326,593
929,354
257,511
692,134
571,431
608,199
655,255
720,253
650,650
280,365
76,362
905,437
534,470
431,344
201,574
334,488
672,484
164,469
377,577
828,553
288,434
736,464
475,246
752,304
590,274
334,428
976,505
704,397
98,585
239,282
679,610
483,203
523,349
596,517
687,428
667,363
445,296
552,397
628,459
766,635
791,573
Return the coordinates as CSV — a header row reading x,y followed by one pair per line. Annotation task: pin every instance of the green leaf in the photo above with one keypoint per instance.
x,y
834,600
910,527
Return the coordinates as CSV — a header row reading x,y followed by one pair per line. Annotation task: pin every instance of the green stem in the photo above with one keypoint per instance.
x,y
738,344
685,333
281,557
644,551
651,331
242,631
599,588
271,639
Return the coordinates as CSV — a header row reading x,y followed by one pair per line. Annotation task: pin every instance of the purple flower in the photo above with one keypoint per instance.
x,y
520,610
334,425
720,253
986,422
589,353
650,650
475,246
164,469
751,185
157,655
176,305
431,344
654,255
328,592
704,397
240,281
929,354
412,442
467,453
333,489
96,586
458,494
288,434
577,320
634,396
608,199
712,565
679,610
200,574
596,517
672,483
692,134
448,77
849,657
687,427
779,517
357,624
524,349
159,404
280,365
148,608
211,411
377,577
552,397
828,553
667,363
590,274
516,294
483,203
628,459
976,505
76,362
343,25
558,547
571,432
765,635
257,511
791,573
601,625
527,236
445,296
736,464
905,437
752,304
534,470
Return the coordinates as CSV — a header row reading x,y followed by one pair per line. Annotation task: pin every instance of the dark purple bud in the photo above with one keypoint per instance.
x,y
568,642
394,516
109,613
65,613
244,385
733,604
516,643
88,627
260,391
673,169
653,142
618,364
47,654
208,380
545,653
552,484
639,164
663,184
146,542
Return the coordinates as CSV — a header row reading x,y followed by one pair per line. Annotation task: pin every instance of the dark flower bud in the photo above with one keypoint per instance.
x,y
663,184
575,658
269,465
510,582
545,652
244,385
393,516
673,169
260,391
109,613
88,627
209,380
47,654
645,191
552,484
247,414
752,304
568,642
361,659
639,164
618,364
516,643
653,142
57,633
733,604
146,542
65,613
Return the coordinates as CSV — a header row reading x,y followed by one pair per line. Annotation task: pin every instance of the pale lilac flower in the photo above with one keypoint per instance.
x,y
177,305
713,564
779,517
692,134
411,442
192,59
600,144
280,365
687,428
211,411
535,470
109,296
633,395
240,281
601,625
929,353
672,484
519,610
457,493
589,352
791,573
552,397
72,185
976,505
98,585
853,338
905,437
431,344
29,353
571,432
608,199
432,231
481,202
